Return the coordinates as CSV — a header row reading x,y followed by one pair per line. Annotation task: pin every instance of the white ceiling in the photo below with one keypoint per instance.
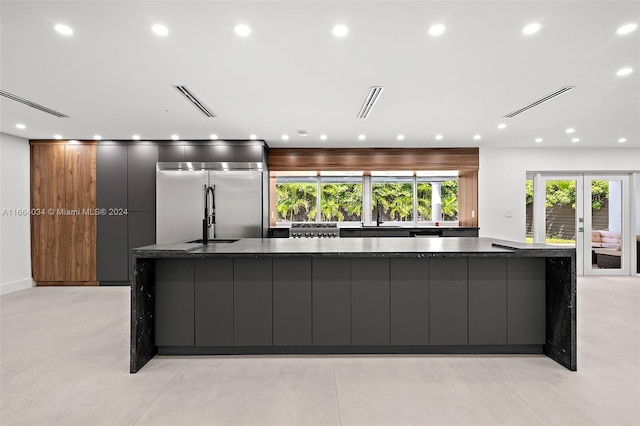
x,y
114,76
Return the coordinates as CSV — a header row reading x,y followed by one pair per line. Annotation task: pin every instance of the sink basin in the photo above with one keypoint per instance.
x,y
214,241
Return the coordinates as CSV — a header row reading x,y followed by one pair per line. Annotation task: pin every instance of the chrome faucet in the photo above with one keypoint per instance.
x,y
209,220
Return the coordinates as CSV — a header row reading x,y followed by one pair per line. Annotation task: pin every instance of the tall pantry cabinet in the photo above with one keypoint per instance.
x,y
63,220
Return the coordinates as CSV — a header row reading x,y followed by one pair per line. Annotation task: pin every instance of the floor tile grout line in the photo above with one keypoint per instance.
x,y
544,419
335,382
159,393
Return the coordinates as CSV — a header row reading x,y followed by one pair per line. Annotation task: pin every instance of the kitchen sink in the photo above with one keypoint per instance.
x,y
214,241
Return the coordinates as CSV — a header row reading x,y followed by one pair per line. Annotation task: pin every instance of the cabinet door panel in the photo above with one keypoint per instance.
x,y
369,301
526,303
174,320
171,153
113,259
111,176
141,230
331,287
205,153
292,302
252,302
487,301
141,168
448,301
214,302
409,301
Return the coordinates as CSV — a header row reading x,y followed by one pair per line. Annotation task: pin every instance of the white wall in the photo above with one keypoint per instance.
x,y
502,175
15,245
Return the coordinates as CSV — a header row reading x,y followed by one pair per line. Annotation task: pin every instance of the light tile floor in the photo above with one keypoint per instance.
x,y
65,359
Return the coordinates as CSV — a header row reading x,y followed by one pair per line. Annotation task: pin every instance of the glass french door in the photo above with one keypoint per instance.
x,y
588,212
606,225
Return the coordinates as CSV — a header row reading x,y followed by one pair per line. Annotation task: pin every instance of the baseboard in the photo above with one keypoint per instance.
x,y
6,288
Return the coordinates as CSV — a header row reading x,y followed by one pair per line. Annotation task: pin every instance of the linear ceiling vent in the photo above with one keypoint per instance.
x,y
32,104
550,96
195,101
371,100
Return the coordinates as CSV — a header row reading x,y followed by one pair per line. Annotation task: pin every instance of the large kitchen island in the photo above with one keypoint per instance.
x,y
355,295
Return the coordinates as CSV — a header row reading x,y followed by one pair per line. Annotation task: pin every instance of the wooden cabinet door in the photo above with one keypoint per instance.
x,y
80,227
47,196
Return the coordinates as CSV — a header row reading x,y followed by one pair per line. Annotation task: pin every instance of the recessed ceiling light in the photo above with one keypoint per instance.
x,y
136,137
622,140
213,136
63,29
439,137
531,28
477,137
570,130
626,29
340,30
538,140
21,126
285,137
252,136
97,137
242,30
323,137
400,137
501,126
436,29
362,137
624,71
575,140
58,137
175,137
160,30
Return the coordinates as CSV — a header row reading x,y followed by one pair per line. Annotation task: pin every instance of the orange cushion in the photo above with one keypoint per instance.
x,y
595,237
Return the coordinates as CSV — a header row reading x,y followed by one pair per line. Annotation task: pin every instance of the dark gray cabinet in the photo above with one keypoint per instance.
x,y
209,153
141,182
246,153
111,176
526,313
171,153
292,302
409,290
448,301
112,253
112,257
141,230
252,302
331,294
214,302
174,302
487,301
369,301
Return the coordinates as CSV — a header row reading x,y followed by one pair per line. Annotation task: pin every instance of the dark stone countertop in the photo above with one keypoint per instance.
x,y
355,247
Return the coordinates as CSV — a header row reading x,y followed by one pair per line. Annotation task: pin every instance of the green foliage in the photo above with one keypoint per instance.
x,y
296,202
560,192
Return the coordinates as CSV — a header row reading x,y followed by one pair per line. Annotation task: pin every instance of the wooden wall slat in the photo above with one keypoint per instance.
x,y
373,159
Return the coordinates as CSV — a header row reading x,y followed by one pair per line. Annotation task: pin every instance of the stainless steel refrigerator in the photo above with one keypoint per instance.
x,y
180,204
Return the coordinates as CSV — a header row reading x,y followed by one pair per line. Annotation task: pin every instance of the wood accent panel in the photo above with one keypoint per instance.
x,y
47,192
63,240
468,199
373,159
80,229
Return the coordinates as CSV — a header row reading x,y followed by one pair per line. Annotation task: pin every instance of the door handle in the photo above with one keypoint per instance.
x,y
580,229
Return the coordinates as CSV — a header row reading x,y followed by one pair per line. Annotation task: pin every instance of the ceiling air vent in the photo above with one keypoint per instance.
x,y
195,101
32,104
550,96
370,101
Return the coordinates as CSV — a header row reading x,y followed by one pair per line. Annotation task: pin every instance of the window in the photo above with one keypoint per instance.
x,y
437,200
392,198
341,199
296,199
